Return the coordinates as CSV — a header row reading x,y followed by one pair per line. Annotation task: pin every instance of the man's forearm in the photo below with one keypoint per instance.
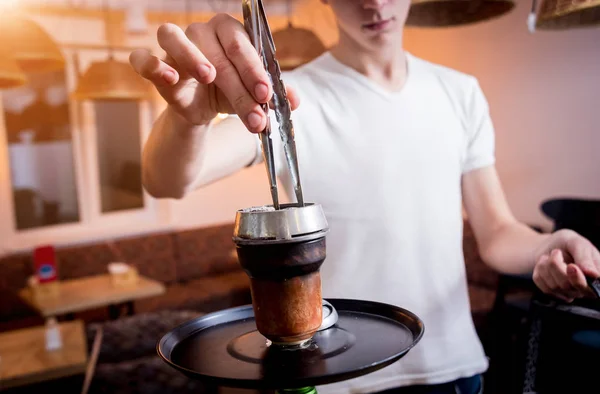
x,y
511,248
172,156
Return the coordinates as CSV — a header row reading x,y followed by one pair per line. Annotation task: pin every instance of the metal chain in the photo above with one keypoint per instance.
x,y
532,356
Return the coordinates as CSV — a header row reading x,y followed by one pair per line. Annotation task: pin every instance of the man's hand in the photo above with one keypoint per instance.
x,y
562,264
209,68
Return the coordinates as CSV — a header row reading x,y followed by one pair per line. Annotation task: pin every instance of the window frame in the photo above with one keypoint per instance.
x,y
93,224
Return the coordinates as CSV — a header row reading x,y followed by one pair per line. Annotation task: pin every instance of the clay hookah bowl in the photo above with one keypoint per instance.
x,y
282,251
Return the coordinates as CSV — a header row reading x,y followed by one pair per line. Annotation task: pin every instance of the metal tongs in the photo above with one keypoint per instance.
x,y
257,27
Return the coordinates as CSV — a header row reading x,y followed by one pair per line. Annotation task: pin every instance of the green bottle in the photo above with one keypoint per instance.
x,y
303,390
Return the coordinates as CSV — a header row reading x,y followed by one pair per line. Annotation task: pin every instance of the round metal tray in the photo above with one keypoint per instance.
x,y
225,349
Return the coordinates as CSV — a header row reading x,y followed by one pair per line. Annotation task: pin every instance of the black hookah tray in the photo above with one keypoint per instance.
x,y
225,349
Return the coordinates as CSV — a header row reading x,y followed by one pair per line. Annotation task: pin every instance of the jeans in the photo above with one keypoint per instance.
x,y
471,385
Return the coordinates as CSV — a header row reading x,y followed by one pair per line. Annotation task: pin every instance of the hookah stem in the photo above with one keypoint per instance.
x,y
302,390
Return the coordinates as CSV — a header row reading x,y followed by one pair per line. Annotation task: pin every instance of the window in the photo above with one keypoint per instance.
x,y
73,169
119,155
40,152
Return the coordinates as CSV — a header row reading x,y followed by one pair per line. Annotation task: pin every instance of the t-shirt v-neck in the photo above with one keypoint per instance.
x,y
330,62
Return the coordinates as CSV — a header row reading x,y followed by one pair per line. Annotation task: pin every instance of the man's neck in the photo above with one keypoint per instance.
x,y
385,66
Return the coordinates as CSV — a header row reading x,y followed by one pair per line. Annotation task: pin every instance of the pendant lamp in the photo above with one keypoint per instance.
x,y
111,80
296,46
29,44
568,14
447,13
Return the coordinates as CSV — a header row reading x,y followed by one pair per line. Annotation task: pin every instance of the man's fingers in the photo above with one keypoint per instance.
x,y
228,80
577,279
225,107
187,55
163,75
589,267
562,286
557,268
540,280
242,54
293,97
152,68
596,259
548,282
549,279
584,254
540,275
217,54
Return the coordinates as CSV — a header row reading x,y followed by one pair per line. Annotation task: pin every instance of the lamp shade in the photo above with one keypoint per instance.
x,y
446,13
11,76
568,14
111,80
296,46
30,45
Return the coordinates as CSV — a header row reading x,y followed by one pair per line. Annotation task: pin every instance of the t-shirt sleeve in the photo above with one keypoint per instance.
x,y
480,144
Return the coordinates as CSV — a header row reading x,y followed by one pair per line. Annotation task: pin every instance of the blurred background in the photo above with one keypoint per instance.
x,y
73,161
74,118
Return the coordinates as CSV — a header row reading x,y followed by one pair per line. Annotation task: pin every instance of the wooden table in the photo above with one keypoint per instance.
x,y
90,292
25,359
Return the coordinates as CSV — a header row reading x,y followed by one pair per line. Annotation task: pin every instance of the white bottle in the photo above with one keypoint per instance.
x,y
53,336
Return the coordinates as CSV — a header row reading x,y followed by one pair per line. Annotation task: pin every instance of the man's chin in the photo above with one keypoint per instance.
x,y
384,39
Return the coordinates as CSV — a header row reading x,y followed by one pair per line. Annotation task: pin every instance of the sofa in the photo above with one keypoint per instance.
x,y
200,271
198,267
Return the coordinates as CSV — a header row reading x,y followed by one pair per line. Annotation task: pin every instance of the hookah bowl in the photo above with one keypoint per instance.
x,y
290,339
282,252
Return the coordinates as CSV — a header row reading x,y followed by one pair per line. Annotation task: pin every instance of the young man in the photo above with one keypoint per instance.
x,y
392,146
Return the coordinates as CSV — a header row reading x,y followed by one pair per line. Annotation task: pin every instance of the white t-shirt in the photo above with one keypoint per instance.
x,y
386,167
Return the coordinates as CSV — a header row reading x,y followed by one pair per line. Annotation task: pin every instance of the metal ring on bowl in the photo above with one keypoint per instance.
x,y
330,316
291,223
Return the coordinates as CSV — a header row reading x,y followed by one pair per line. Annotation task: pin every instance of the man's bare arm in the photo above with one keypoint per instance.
x,y
180,157
559,261
505,243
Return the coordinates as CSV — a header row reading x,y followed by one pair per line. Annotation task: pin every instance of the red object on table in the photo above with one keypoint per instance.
x,y
44,260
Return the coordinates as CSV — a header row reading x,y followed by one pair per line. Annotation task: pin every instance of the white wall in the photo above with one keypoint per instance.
x,y
544,94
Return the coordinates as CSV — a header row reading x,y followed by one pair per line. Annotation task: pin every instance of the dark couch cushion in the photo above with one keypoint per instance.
x,y
482,303
207,294
146,375
14,272
16,313
153,255
221,285
135,336
176,297
205,251
83,260
481,299
15,269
